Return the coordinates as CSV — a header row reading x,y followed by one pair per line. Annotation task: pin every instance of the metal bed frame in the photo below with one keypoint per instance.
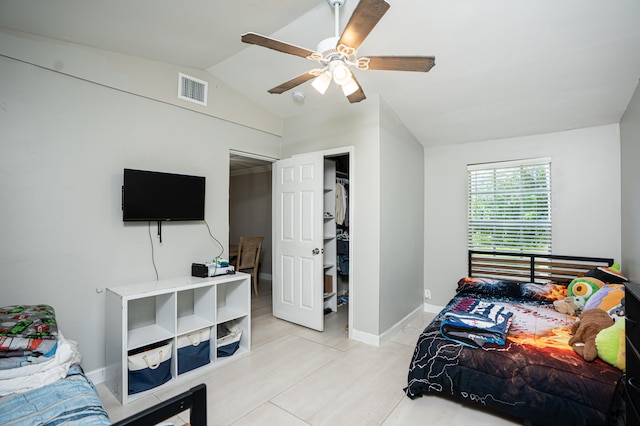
x,y
531,267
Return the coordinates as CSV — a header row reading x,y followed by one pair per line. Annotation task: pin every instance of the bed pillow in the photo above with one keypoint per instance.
x,y
548,292
611,275
488,287
502,288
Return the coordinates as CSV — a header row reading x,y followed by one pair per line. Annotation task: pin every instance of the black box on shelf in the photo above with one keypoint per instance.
x,y
199,270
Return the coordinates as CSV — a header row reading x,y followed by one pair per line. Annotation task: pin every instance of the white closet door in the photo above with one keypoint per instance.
x,y
298,240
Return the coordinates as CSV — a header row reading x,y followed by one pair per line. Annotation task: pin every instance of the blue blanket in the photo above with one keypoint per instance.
x,y
474,323
72,400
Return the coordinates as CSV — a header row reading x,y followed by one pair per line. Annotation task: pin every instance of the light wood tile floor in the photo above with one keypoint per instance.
x,y
295,376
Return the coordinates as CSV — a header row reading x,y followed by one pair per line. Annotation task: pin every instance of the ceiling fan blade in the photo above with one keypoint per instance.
x,y
280,46
358,95
402,63
293,83
364,18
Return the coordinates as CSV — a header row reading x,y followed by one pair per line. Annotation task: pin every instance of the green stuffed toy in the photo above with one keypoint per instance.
x,y
610,343
584,287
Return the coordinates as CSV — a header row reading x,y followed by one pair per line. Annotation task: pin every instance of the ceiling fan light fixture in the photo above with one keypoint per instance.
x,y
341,73
349,87
322,82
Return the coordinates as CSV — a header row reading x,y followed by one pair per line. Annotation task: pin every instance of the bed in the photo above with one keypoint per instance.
x,y
42,382
533,374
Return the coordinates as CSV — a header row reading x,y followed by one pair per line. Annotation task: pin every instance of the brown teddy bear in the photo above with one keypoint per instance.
x,y
585,329
569,305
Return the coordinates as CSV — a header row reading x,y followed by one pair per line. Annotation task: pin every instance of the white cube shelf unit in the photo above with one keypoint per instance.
x,y
149,313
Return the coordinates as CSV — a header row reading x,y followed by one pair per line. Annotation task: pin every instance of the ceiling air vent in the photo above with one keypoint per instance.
x,y
191,89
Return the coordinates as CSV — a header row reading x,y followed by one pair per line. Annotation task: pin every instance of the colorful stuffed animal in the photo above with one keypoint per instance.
x,y
610,298
585,330
610,343
584,287
578,293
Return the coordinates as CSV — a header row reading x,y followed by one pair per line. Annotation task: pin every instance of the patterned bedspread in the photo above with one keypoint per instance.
x,y
534,375
27,330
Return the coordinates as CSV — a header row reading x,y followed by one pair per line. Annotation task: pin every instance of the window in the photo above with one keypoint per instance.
x,y
510,206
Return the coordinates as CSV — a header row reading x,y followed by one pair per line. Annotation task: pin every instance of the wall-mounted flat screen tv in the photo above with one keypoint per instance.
x,y
157,196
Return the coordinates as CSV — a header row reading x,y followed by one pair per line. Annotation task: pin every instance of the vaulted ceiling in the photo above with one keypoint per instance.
x,y
504,68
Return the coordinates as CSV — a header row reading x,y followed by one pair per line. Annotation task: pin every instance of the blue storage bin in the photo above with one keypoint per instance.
x,y
194,350
149,367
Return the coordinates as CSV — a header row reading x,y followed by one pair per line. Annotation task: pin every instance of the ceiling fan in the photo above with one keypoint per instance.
x,y
336,54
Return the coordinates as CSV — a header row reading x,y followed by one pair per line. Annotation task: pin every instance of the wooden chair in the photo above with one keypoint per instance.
x,y
248,259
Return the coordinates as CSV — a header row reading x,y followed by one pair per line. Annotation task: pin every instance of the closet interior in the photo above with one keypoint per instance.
x,y
336,250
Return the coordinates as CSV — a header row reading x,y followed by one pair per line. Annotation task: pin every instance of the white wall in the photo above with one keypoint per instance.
x,y
139,76
401,220
585,175
630,154
64,143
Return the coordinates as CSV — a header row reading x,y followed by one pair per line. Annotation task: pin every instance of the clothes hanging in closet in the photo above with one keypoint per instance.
x,y
342,243
341,203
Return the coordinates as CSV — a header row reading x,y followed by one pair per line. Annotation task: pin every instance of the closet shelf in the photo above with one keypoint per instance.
x,y
329,236
328,295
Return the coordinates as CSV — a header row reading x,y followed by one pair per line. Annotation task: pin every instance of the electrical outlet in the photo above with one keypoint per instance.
x,y
427,294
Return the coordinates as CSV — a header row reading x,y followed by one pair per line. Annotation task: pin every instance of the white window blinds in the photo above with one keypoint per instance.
x,y
510,206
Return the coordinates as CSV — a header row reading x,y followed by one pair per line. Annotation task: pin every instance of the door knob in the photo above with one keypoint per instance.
x,y
317,251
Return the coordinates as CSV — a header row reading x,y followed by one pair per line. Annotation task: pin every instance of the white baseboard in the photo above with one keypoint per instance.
x,y
97,376
377,340
400,325
367,338
434,309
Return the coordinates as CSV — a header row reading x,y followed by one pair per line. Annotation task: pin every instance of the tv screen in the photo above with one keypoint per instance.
x,y
156,196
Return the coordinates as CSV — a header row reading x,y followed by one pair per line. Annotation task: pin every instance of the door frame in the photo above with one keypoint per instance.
x,y
334,152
